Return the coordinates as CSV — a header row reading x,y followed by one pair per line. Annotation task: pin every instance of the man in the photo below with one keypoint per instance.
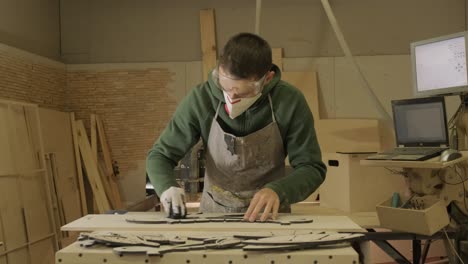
x,y
249,120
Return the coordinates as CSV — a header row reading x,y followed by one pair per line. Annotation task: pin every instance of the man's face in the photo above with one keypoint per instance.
x,y
240,88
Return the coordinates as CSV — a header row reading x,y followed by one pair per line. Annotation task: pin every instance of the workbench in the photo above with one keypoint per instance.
x,y
342,253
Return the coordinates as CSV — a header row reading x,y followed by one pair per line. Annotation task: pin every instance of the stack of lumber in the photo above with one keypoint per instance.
x,y
97,166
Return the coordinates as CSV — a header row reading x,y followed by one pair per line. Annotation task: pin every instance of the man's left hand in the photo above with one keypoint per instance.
x,y
266,199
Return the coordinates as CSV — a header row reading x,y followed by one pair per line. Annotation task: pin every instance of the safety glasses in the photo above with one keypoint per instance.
x,y
241,87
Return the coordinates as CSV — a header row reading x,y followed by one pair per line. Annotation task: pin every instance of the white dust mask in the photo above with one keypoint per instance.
x,y
238,106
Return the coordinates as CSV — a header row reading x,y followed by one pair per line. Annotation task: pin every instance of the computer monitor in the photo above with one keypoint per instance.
x,y
420,122
439,65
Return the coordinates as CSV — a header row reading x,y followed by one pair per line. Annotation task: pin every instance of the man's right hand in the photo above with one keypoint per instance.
x,y
173,200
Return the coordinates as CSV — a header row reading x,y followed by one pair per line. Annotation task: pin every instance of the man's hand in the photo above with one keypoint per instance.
x,y
266,199
173,200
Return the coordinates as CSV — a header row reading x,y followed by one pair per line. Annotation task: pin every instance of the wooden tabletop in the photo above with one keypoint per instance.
x,y
433,163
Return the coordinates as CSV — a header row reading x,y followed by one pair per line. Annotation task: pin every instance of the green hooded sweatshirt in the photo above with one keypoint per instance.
x,y
195,113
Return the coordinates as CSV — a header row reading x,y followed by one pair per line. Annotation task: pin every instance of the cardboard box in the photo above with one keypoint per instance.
x,y
424,221
351,187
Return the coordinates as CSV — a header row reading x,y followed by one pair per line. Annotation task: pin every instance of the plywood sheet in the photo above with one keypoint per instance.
x,y
117,222
2,237
348,135
42,252
25,142
35,206
19,256
58,139
6,161
11,211
306,82
325,68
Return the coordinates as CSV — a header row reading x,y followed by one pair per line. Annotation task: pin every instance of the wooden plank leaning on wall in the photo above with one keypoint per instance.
x,y
208,41
79,169
92,171
97,162
108,169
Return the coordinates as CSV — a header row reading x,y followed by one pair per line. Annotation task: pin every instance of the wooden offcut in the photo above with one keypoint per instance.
x,y
208,40
92,170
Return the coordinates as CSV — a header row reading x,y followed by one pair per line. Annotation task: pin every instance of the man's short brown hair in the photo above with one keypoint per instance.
x,y
246,55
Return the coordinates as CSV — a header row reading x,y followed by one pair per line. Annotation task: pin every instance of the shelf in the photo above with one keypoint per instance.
x,y
433,163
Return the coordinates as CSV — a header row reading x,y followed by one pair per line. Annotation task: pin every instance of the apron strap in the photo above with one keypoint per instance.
x,y
217,110
271,106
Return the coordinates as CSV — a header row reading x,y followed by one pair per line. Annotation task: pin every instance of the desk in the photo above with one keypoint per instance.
x,y
433,178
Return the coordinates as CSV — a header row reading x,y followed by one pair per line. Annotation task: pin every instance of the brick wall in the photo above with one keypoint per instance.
x,y
135,106
24,79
